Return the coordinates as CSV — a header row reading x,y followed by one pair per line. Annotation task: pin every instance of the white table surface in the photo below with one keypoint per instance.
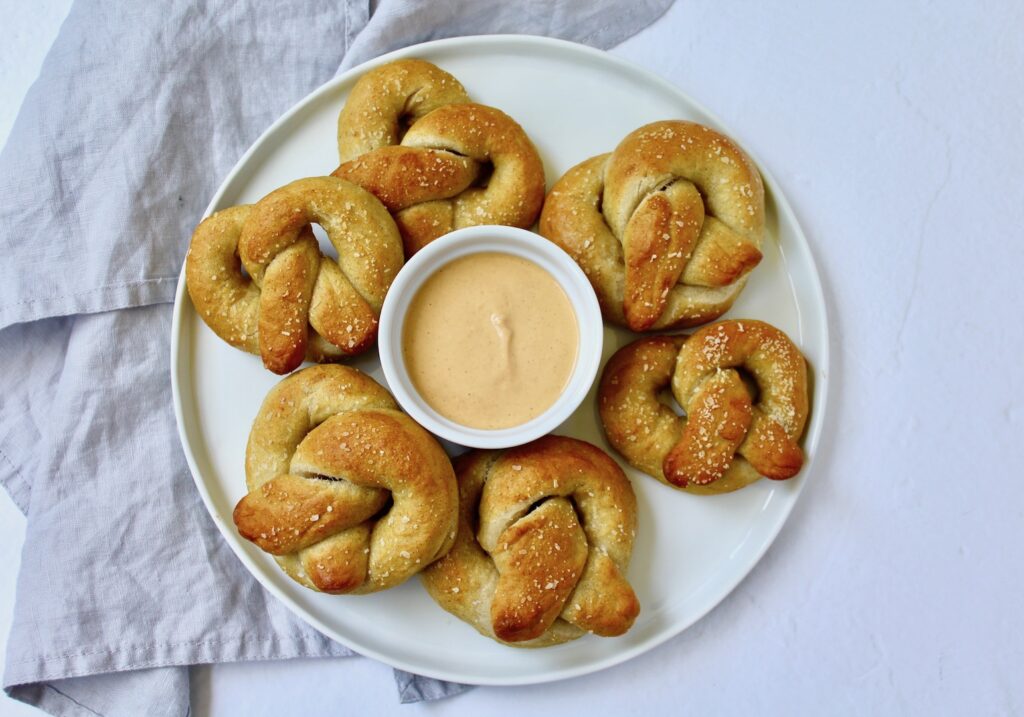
x,y
897,584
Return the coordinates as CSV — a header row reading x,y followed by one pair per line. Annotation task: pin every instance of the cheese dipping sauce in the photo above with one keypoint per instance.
x,y
490,340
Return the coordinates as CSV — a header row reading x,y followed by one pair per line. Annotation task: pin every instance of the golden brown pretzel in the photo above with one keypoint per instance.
x,y
295,303
409,134
389,99
727,439
544,539
666,227
326,452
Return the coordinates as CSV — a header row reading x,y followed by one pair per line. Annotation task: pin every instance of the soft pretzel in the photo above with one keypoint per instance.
x,y
729,437
327,453
666,227
295,303
544,539
389,99
410,135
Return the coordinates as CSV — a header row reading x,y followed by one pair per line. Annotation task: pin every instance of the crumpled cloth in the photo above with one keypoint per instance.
x,y
139,112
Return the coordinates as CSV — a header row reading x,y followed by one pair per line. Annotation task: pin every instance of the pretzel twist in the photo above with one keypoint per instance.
x,y
409,134
544,539
666,227
728,438
327,452
295,303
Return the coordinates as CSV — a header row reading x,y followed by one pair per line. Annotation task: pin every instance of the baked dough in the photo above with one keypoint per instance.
x,y
410,135
348,493
544,539
729,437
293,303
666,227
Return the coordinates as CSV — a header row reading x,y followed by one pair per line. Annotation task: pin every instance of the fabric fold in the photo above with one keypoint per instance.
x,y
137,116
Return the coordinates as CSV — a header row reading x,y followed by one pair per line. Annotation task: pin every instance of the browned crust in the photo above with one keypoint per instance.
x,y
766,353
388,99
635,422
667,227
225,299
327,451
545,535
726,442
295,304
428,176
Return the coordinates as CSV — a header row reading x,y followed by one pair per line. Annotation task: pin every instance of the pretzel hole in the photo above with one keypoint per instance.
x,y
405,121
326,248
388,505
239,266
483,177
749,382
753,388
700,190
538,503
666,398
533,506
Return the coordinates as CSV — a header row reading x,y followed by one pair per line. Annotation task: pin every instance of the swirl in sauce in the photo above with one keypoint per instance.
x,y
490,340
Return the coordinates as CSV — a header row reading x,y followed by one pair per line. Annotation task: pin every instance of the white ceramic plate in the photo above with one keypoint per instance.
x,y
574,102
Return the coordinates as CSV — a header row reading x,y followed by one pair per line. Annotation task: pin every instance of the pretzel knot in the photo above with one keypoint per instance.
x,y
732,434
348,493
409,134
295,303
666,227
545,535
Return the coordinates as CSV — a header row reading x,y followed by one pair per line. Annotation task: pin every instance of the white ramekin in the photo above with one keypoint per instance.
x,y
507,240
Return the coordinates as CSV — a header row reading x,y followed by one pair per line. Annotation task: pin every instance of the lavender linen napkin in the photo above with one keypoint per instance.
x,y
138,113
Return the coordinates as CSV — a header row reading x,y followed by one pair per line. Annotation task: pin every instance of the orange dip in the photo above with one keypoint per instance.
x,y
490,340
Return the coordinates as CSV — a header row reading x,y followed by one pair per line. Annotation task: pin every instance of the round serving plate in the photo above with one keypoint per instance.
x,y
574,102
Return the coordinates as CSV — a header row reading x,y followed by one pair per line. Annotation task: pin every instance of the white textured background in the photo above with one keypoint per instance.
x,y
896,587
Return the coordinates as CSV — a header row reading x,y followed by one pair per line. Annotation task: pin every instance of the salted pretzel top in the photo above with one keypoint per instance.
x,y
545,535
295,303
728,438
409,134
666,227
389,99
327,451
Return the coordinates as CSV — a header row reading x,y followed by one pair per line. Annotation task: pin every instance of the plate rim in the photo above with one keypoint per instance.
x,y
820,371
